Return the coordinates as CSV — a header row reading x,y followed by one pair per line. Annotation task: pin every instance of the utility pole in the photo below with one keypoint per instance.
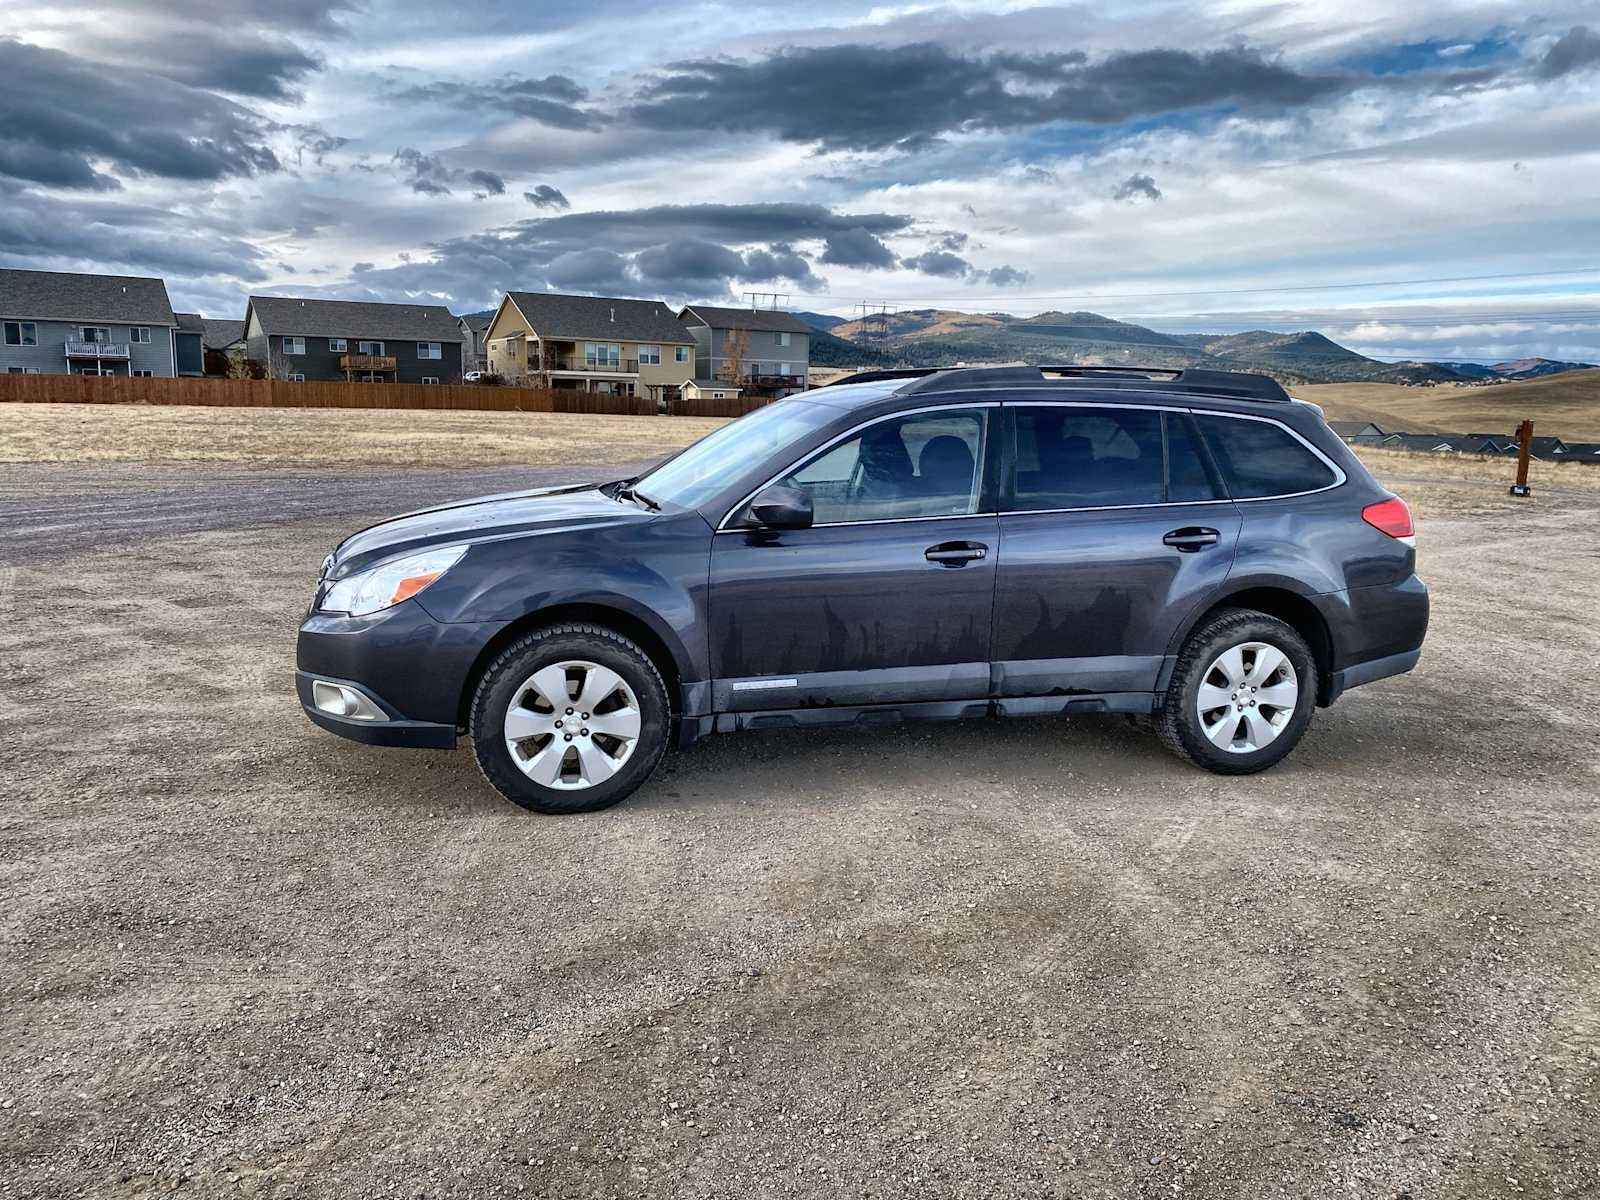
x,y
772,300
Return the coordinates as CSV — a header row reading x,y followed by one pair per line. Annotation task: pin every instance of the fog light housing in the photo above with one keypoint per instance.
x,y
338,700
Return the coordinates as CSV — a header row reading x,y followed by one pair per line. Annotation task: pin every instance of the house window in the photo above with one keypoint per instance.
x,y
650,354
430,379
337,345
783,338
429,350
95,333
22,333
680,354
602,355
297,377
373,348
139,334
783,368
294,345
143,374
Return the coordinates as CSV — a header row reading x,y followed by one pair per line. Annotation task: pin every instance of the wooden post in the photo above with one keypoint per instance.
x,y
1524,445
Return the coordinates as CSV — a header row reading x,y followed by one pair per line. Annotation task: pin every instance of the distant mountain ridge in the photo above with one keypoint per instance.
x,y
935,337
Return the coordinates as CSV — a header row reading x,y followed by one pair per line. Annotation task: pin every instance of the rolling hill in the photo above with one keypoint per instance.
x,y
943,337
1567,404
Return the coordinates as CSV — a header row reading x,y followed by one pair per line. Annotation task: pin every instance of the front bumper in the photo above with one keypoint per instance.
x,y
413,669
390,729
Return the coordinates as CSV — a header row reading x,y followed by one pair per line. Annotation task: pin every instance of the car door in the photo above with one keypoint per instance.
x,y
887,597
1113,527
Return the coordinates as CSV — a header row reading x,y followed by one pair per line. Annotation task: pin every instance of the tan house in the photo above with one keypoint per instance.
x,y
710,389
590,344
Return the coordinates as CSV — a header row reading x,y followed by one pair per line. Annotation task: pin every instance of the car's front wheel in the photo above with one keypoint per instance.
x,y
569,719
1241,694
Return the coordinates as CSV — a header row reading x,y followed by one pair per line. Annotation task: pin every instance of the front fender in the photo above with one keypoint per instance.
x,y
656,572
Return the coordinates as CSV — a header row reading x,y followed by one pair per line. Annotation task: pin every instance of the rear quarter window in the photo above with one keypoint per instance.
x,y
1259,459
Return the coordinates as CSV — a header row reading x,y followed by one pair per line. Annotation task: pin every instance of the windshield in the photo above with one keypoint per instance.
x,y
719,458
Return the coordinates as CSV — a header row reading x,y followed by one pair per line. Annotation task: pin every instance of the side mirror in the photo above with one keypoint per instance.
x,y
782,508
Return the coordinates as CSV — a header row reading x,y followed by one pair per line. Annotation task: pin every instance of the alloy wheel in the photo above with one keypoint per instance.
x,y
572,725
1247,697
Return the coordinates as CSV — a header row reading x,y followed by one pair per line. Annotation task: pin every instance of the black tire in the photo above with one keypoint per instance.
x,y
1178,720
500,685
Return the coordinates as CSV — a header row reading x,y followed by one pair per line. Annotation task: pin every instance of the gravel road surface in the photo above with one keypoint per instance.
x,y
240,957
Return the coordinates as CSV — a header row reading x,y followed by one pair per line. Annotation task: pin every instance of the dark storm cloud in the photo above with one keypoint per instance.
x,y
63,115
923,91
1135,186
268,68
857,247
1578,48
430,175
938,262
1006,276
554,100
691,250
545,196
102,234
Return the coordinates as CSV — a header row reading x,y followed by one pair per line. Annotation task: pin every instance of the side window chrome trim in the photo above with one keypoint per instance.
x,y
722,525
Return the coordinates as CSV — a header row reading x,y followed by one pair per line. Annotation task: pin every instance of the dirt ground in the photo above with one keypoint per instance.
x,y
239,956
331,436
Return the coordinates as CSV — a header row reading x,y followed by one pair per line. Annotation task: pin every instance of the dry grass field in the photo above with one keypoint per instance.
x,y
1567,405
332,437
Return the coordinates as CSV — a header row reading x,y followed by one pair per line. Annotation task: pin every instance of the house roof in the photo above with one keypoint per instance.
x,y
479,321
189,322
1583,450
66,296
766,320
1351,428
356,319
221,334
553,315
705,384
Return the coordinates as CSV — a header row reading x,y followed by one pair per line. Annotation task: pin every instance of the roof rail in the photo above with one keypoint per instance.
x,y
874,376
1237,385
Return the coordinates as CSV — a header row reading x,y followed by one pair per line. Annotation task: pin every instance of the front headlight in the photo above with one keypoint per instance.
x,y
388,583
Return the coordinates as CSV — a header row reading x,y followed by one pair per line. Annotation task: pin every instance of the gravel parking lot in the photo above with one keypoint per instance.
x,y
239,956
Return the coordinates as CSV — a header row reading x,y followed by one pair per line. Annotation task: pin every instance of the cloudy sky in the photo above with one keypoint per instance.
x,y
1413,179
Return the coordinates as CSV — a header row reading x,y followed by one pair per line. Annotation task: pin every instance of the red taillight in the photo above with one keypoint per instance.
x,y
1391,516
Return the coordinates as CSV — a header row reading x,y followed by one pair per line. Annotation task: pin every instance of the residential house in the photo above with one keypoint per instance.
x,y
188,344
223,336
474,339
59,323
1359,433
768,351
357,341
589,343
1582,452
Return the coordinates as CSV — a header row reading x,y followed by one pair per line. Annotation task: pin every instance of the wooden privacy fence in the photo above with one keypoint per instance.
x,y
706,407
278,393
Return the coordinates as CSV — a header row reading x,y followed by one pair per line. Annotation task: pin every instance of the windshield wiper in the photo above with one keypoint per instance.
x,y
628,492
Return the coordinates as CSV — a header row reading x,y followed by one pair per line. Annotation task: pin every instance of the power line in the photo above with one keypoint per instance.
x,y
1258,291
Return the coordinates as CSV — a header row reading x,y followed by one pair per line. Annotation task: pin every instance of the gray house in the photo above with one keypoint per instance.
x,y
352,340
475,340
223,336
188,344
775,352
58,323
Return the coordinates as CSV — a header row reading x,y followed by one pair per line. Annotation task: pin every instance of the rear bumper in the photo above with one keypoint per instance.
x,y
1376,632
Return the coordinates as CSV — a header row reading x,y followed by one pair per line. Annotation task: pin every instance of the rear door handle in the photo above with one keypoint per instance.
x,y
1191,538
955,554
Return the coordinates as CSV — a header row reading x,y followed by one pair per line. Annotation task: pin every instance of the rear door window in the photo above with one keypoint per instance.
x,y
1083,457
1260,458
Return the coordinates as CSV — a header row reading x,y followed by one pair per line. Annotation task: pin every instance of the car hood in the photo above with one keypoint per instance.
x,y
537,510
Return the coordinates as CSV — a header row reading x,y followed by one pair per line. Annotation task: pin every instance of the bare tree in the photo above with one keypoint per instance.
x,y
734,347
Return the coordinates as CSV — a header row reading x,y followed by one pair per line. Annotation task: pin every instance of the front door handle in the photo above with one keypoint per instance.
x,y
955,554
1191,538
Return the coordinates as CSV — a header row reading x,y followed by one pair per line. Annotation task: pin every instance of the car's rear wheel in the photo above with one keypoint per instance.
x,y
569,719
1241,695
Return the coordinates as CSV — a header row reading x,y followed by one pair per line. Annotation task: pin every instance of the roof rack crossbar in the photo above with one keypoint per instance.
x,y
1236,385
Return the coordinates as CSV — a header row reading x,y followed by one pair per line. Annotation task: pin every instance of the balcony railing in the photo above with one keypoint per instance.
x,y
624,366
81,349
366,362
